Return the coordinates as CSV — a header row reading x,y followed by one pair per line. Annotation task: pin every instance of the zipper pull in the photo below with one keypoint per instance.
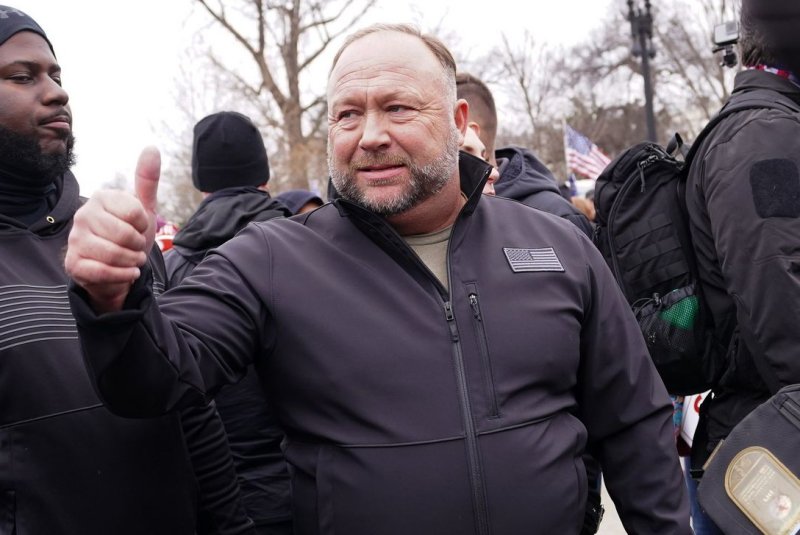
x,y
641,175
646,163
473,302
448,313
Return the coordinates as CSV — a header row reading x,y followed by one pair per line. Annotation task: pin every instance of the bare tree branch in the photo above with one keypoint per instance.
x,y
680,66
316,124
330,37
284,38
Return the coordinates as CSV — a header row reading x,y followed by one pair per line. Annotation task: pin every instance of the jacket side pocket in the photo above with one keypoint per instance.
x,y
8,512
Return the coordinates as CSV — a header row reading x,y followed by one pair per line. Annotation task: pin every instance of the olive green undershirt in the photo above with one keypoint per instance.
x,y
432,249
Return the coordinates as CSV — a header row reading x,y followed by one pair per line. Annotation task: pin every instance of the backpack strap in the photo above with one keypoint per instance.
x,y
677,145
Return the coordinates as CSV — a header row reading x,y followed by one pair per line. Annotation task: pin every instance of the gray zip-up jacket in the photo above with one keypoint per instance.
x,y
409,407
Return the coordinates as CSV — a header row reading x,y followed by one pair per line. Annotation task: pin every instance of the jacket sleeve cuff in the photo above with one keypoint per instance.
x,y
139,299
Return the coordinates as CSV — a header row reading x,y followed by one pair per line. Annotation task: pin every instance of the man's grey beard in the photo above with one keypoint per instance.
x,y
425,182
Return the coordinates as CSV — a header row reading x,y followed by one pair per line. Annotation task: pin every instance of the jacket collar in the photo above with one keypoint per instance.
x,y
66,202
751,80
473,173
223,214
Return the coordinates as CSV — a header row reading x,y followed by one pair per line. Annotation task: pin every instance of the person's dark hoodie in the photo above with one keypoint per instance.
x,y
230,163
527,180
218,218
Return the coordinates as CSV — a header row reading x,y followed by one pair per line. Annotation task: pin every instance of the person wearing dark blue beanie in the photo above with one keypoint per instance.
x,y
67,464
13,21
299,201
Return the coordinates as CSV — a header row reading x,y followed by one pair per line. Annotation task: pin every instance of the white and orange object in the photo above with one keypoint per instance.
x,y
165,234
691,415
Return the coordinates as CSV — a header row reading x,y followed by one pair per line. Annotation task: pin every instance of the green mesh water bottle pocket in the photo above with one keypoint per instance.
x,y
683,313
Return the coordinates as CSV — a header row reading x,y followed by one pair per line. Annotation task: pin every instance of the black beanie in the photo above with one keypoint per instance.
x,y
13,21
777,22
228,151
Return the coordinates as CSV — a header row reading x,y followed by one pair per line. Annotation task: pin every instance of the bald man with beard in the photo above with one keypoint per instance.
x,y
438,358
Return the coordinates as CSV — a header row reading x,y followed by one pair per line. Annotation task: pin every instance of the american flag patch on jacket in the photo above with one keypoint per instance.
x,y
523,260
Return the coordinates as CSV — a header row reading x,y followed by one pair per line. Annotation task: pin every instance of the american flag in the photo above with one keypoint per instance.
x,y
522,260
583,156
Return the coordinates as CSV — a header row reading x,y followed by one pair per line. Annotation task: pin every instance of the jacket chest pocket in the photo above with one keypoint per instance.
x,y
479,330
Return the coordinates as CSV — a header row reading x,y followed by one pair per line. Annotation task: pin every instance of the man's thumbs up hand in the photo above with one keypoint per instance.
x,y
111,236
148,171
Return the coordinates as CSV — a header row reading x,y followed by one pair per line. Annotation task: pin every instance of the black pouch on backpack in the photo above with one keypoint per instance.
x,y
751,484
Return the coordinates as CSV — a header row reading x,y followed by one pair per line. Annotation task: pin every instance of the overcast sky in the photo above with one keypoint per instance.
x,y
120,59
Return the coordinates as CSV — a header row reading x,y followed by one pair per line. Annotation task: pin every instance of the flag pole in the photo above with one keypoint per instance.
x,y
564,140
567,180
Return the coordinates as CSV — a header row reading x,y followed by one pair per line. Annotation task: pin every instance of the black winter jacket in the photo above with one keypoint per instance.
x,y
410,408
253,433
526,179
67,465
218,218
743,197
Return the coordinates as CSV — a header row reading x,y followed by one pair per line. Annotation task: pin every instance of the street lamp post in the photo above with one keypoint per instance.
x,y
642,34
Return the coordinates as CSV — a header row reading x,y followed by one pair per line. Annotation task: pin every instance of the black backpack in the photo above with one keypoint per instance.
x,y
642,231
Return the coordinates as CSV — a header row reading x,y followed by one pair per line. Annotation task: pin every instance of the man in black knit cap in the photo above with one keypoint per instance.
x,y
743,198
230,167
67,465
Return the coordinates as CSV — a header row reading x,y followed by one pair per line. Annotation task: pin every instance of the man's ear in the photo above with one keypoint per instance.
x,y
475,126
460,114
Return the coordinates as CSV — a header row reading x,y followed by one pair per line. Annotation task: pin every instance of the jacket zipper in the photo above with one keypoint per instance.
x,y
480,329
476,476
479,501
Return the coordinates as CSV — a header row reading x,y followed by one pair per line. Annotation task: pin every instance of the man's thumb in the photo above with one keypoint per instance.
x,y
148,170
